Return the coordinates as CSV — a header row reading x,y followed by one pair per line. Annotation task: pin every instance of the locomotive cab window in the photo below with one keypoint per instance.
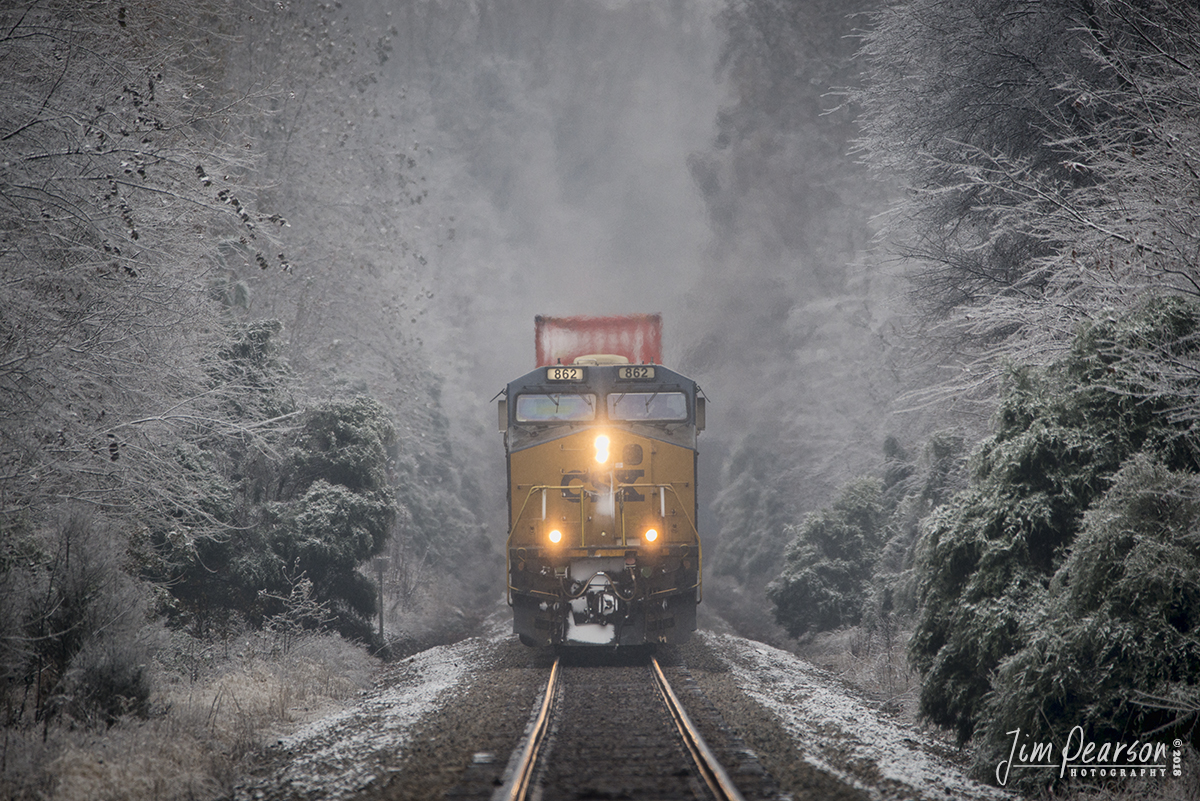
x,y
668,407
555,408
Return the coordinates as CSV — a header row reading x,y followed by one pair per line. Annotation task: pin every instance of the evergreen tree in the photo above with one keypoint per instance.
x,y
1062,433
1116,646
828,569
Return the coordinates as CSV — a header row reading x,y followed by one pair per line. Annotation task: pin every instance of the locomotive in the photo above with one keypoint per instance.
x,y
601,449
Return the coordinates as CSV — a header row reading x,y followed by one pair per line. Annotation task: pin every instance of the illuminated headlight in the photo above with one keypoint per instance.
x,y
651,535
556,536
602,443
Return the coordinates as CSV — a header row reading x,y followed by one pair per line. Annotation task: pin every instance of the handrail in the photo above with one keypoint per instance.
x,y
699,585
508,540
534,488
675,492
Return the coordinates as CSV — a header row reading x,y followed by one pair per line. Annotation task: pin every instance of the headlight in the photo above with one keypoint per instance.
x,y
651,535
556,536
602,443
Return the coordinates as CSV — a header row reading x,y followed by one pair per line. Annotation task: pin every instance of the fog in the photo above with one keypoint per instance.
x,y
572,170
267,266
503,159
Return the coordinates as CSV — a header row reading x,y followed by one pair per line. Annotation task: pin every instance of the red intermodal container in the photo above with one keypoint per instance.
x,y
637,337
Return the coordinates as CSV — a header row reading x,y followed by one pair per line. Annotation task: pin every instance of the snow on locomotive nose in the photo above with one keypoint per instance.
x,y
600,442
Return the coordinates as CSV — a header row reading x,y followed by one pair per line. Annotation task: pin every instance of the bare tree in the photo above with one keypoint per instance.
x,y
115,186
1051,152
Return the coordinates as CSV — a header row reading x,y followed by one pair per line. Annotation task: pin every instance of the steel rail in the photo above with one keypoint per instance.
x,y
714,775
520,782
517,788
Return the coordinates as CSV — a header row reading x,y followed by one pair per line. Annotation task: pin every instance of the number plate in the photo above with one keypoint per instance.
x,y
639,372
560,373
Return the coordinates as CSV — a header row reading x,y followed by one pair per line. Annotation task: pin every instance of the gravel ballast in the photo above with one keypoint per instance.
x,y
457,712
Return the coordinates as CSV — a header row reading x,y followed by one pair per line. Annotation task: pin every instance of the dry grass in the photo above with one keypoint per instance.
x,y
205,726
260,693
157,760
1182,788
871,661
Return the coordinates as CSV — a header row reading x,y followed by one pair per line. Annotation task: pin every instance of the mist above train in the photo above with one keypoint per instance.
x,y
600,443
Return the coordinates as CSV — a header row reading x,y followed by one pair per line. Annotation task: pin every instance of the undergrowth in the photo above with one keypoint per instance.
x,y
213,705
875,662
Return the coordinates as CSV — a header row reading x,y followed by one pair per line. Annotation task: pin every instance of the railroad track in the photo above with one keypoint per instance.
x,y
612,732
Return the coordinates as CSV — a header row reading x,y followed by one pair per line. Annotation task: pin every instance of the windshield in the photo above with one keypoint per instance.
x,y
556,408
660,406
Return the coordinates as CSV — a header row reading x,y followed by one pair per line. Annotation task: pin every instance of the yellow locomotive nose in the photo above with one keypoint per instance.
x,y
602,443
601,456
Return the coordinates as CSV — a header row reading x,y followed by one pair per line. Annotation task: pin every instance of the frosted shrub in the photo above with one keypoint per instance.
x,y
1116,648
319,511
77,639
828,564
988,556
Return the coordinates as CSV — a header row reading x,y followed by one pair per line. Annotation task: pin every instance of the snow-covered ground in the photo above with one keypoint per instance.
x,y
838,733
338,756
841,734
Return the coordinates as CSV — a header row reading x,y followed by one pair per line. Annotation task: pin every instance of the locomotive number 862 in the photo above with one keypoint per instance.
x,y
602,545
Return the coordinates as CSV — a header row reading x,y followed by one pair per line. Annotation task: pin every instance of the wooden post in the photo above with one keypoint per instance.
x,y
380,564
